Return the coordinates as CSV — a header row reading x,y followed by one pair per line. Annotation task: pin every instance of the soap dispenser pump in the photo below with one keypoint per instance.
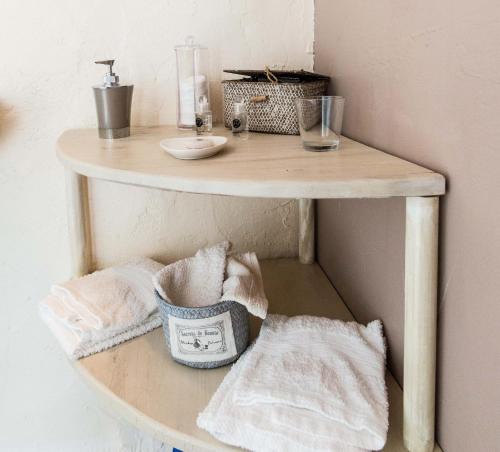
x,y
113,103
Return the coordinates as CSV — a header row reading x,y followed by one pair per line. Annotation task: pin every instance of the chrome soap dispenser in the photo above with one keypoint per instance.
x,y
113,102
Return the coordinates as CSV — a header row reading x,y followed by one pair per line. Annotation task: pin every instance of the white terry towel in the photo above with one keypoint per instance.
x,y
194,281
212,276
244,284
105,308
308,384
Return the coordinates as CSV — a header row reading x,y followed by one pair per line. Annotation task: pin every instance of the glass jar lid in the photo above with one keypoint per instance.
x,y
189,44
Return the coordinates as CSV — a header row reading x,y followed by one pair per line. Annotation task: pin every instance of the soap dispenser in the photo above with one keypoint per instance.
x,y
113,102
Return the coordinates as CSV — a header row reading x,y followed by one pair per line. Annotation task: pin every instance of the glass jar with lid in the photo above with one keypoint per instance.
x,y
192,81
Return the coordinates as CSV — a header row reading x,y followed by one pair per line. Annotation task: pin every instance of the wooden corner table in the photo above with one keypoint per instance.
x,y
140,383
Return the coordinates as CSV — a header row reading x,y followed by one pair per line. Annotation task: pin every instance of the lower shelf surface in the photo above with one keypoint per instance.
x,y
139,383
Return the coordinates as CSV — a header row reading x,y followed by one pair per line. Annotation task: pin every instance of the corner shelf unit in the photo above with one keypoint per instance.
x,y
138,380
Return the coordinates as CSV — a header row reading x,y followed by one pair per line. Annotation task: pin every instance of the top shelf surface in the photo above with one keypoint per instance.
x,y
264,166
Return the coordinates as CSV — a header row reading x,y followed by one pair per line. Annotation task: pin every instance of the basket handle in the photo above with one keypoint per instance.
x,y
270,76
258,99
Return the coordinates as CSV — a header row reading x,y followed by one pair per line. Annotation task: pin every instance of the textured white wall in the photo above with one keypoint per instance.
x,y
47,51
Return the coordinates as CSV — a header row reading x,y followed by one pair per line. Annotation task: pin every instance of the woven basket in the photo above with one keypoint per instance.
x,y
270,106
205,337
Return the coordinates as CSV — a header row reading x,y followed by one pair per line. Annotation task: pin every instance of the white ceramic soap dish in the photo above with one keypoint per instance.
x,y
192,148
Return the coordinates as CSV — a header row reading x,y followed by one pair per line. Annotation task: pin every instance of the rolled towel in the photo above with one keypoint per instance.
x,y
308,383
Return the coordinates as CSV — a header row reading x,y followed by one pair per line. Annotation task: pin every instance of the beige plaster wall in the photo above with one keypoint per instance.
x,y
47,50
422,81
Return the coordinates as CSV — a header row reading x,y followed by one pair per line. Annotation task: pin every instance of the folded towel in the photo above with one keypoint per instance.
x,y
309,384
263,428
211,276
78,345
105,308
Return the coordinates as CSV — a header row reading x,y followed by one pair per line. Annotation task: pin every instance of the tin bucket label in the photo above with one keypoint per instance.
x,y
202,340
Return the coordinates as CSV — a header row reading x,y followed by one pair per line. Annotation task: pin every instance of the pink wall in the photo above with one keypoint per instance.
x,y
422,81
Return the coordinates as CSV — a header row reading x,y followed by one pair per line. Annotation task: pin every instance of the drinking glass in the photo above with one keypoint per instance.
x,y
320,121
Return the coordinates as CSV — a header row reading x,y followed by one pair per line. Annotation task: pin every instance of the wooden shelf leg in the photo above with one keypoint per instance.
x,y
421,256
306,230
78,223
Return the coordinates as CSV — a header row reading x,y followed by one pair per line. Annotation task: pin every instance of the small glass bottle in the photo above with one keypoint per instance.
x,y
203,121
239,120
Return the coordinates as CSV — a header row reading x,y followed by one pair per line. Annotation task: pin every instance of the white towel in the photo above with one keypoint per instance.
x,y
244,284
212,276
308,384
194,281
105,308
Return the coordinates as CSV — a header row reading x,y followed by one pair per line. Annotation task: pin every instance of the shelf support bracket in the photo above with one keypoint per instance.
x,y
78,223
421,268
306,230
